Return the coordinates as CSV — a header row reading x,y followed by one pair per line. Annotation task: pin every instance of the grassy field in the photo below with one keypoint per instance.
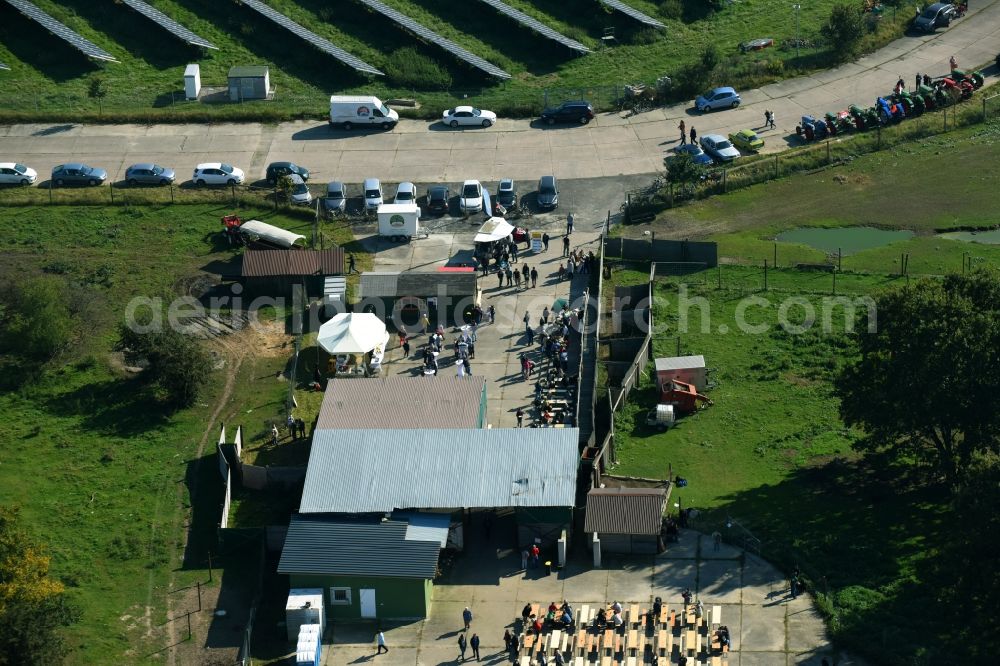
x,y
146,83
104,475
909,187
773,455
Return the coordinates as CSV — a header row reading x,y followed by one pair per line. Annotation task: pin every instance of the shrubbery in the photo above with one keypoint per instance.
x,y
409,67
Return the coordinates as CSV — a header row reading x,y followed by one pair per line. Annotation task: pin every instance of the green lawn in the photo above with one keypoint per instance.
x,y
145,83
772,454
103,474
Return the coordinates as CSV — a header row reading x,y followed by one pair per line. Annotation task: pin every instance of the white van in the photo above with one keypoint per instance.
x,y
351,111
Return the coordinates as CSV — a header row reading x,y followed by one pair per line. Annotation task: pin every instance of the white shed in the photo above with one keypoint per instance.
x,y
192,82
305,606
688,369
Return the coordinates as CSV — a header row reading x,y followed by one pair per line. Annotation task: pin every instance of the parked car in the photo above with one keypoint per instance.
x,y
438,197
468,116
507,193
719,148
12,173
300,193
148,174
471,199
373,194
747,141
405,193
276,170
548,192
217,173
335,202
569,112
698,155
718,98
938,15
78,174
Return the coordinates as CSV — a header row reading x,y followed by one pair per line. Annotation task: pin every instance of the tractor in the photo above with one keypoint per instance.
x,y
811,129
840,121
927,94
975,78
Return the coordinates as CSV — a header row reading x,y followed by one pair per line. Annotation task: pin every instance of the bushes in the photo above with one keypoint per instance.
x,y
844,30
409,67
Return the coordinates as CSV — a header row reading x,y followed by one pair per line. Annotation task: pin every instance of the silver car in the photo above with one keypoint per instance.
x,y
12,173
300,193
335,201
148,174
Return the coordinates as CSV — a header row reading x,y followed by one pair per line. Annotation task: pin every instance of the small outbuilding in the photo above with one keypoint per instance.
x,y
447,297
273,272
250,82
626,520
688,369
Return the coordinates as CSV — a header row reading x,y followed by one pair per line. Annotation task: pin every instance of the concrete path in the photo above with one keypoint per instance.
x,y
767,626
416,150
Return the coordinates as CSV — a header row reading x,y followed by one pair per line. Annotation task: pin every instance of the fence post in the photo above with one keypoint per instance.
x,y
233,186
944,115
878,137
984,109
50,191
827,151
171,192
111,187
776,166
724,172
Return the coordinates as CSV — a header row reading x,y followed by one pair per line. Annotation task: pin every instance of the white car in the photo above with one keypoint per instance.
x,y
719,148
373,194
468,115
300,193
12,173
217,173
471,198
405,193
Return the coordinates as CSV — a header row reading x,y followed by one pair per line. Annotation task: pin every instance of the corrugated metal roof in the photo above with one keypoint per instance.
x,y
625,510
417,283
394,402
679,362
277,263
320,545
362,471
425,526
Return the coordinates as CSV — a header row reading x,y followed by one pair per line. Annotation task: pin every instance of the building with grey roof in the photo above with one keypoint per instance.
x,y
393,402
626,520
447,296
687,369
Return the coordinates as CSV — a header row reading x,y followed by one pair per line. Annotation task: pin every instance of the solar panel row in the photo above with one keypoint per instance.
x,y
434,38
617,5
319,42
169,24
85,46
536,25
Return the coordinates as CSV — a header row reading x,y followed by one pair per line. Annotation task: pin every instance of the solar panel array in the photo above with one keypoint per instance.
x,y
319,42
536,25
425,33
169,24
85,46
617,5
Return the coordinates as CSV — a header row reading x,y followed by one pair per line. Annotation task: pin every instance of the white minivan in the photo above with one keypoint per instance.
x,y
351,111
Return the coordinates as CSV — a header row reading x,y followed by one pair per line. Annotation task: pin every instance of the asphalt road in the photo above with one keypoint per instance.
x,y
418,151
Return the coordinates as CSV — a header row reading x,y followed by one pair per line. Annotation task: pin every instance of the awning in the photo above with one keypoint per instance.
x,y
270,233
352,333
494,229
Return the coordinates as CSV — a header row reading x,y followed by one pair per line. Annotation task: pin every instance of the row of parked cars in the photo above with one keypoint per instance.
x,y
438,197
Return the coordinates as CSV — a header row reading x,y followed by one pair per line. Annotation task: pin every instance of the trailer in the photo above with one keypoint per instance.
x,y
400,222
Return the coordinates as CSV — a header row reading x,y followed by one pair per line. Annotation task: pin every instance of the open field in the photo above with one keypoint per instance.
x,y
936,184
106,477
773,455
149,79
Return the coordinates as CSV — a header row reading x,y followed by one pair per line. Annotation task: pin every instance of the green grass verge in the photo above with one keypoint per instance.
x,y
147,84
101,472
773,454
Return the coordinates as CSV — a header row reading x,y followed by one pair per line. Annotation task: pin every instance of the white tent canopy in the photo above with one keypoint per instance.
x,y
352,333
270,233
494,229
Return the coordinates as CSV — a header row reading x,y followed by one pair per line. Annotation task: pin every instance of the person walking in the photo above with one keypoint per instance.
x,y
509,275
526,274
558,659
916,86
545,315
953,63
499,278
517,279
513,252
535,552
507,636
534,277
468,366
461,645
531,336
520,417
545,241
467,617
380,641
694,135
771,119
274,435
527,607
683,135
565,246
406,347
474,644
569,223
767,118
351,264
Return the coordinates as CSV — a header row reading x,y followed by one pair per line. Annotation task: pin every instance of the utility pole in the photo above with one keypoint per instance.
x,y
797,40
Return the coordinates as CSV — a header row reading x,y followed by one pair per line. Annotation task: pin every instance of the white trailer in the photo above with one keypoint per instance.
x,y
399,222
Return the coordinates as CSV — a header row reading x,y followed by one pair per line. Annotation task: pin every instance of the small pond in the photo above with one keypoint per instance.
x,y
849,240
991,237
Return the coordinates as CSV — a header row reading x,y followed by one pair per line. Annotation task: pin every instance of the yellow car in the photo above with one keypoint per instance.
x,y
747,141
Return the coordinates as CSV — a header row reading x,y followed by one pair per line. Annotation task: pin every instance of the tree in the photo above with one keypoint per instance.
x,y
927,382
682,170
844,29
175,364
98,89
710,58
35,321
32,605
